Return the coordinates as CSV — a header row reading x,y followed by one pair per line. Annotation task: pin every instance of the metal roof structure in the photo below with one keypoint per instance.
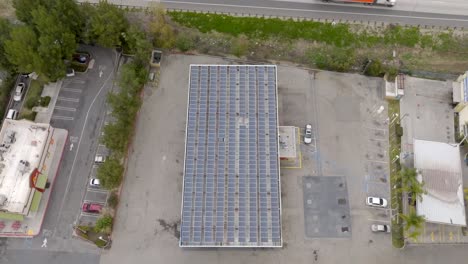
x,y
439,167
231,189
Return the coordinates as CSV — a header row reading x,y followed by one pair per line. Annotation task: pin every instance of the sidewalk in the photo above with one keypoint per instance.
x,y
32,223
44,114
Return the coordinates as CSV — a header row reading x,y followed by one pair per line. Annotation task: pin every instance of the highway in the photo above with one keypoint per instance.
x,y
409,12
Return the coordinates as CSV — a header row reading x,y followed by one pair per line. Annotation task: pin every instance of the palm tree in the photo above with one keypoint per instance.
x,y
413,224
411,184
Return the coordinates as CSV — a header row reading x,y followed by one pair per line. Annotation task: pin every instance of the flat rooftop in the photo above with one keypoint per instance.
x,y
287,142
231,191
21,147
439,166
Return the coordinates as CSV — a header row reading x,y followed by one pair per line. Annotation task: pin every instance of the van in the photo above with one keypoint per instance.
x,y
12,114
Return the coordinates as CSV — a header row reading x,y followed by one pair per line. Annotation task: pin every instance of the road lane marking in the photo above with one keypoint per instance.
x,y
75,100
63,118
72,90
71,109
316,11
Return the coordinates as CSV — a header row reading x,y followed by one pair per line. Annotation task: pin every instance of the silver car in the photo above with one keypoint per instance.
x,y
308,134
380,228
19,92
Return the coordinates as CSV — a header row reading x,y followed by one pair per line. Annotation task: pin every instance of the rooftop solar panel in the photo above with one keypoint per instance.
x,y
231,175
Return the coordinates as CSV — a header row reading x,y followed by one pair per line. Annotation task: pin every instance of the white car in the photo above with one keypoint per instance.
x,y
376,201
99,159
308,134
380,228
94,182
12,114
19,92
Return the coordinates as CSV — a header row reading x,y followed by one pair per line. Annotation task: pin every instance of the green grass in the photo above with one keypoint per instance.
x,y
339,35
396,197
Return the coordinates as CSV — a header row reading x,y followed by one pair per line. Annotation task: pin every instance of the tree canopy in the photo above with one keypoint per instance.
x,y
107,25
110,173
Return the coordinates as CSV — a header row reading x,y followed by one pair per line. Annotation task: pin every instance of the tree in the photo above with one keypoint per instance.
x,y
104,224
56,42
411,184
24,8
107,25
5,28
136,42
21,48
413,223
110,173
116,137
162,34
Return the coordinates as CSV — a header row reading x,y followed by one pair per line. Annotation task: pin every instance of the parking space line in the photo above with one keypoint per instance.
x,y
71,109
62,117
90,215
75,100
95,202
73,90
377,220
440,233
379,161
96,190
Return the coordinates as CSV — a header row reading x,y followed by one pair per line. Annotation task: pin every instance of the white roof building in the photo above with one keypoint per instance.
x,y
438,165
22,144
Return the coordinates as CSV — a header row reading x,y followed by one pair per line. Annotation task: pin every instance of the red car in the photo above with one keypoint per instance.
x,y
92,208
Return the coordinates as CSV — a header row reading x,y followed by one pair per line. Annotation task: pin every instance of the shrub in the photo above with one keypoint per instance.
x,y
100,243
399,130
78,67
104,224
240,46
332,58
184,43
375,69
45,101
29,116
113,200
110,173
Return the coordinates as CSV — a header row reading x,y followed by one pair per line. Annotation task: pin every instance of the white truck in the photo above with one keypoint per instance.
x,y
389,3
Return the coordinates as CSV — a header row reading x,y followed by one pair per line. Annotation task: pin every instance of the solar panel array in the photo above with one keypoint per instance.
x,y
231,193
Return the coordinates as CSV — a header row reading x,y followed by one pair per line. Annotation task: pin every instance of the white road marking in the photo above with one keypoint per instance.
x,y
376,220
73,90
316,11
71,146
71,109
78,149
96,190
75,100
62,118
90,215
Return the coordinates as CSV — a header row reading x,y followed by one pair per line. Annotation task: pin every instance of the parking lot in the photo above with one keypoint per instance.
x,y
81,109
351,144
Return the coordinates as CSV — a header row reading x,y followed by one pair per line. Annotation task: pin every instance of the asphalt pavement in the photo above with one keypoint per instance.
x,y
431,13
80,109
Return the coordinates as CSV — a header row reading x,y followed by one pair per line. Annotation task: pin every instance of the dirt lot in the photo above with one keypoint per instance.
x,y
351,141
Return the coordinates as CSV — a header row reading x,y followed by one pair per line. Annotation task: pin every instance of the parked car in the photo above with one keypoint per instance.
x,y
380,228
12,114
70,72
94,182
92,208
308,134
99,159
376,202
19,92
